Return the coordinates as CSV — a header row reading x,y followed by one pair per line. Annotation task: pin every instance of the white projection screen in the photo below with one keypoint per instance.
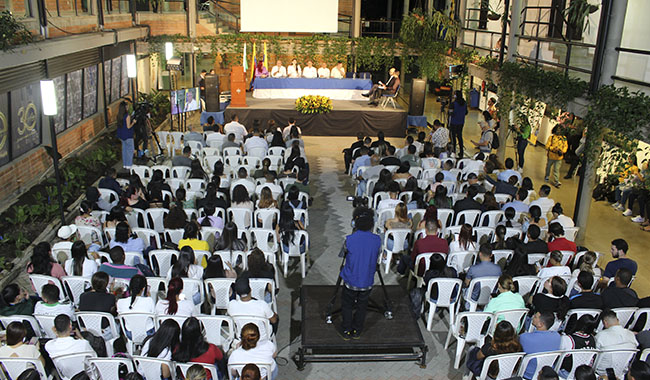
x,y
303,16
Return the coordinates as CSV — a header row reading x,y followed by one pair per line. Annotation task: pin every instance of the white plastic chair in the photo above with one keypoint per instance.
x,y
190,287
461,260
74,286
163,137
90,234
40,280
108,195
166,170
262,323
219,329
137,218
507,363
148,235
47,325
155,218
502,254
448,295
525,284
490,218
36,328
421,265
486,285
574,314
93,321
637,315
265,239
400,237
516,318
174,236
15,366
162,260
71,364
195,184
538,361
470,217
137,323
534,258
265,217
108,368
150,368
180,172
476,323
219,291
301,215
483,234
300,237
242,217
578,358
144,172
502,198
620,360
445,216
259,288
570,233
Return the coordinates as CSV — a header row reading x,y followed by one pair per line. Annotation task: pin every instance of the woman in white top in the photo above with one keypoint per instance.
x,y
175,303
559,217
139,302
185,266
16,346
161,344
294,70
81,264
252,350
464,241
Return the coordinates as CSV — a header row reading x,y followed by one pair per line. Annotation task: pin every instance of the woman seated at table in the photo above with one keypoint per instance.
x,y
261,71
294,70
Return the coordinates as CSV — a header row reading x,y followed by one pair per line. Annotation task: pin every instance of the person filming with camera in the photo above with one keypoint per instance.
x,y
361,251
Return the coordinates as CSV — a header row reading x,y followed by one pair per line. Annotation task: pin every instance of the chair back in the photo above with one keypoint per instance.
x,y
470,217
90,234
108,195
219,290
166,170
242,217
515,317
47,325
74,286
448,291
491,218
144,172
262,323
40,280
94,321
502,254
578,358
71,364
502,198
486,286
618,359
162,260
266,217
400,237
259,288
155,218
525,284
533,363
507,365
33,323
149,236
15,366
136,323
483,234
265,239
570,233
108,368
477,323
180,172
445,216
534,258
174,236
461,260
219,329
150,368
162,318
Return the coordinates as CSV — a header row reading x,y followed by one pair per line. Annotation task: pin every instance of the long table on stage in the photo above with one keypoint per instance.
x,y
293,88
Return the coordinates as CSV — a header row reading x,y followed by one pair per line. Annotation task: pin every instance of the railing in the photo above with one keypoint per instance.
x,y
380,28
480,30
632,80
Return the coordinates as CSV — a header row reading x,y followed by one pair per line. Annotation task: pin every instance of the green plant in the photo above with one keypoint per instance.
x,y
13,32
160,106
577,13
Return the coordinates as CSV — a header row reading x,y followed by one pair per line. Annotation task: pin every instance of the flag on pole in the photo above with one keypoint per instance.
x,y
254,62
245,63
266,60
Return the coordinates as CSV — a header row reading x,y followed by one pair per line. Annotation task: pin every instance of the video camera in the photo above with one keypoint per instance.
x,y
141,111
358,201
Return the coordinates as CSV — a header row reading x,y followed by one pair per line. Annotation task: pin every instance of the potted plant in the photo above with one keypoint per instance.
x,y
577,15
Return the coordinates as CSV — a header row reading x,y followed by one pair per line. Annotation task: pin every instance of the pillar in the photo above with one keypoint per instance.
x,y
191,18
356,19
605,63
389,9
402,69
515,21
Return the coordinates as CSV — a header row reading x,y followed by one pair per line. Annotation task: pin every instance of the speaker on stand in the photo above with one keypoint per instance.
x,y
416,100
212,93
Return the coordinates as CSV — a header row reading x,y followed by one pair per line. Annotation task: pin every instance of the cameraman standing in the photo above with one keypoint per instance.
x,y
361,250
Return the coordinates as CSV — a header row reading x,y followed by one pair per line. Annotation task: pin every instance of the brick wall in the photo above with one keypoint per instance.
x,y
166,23
25,171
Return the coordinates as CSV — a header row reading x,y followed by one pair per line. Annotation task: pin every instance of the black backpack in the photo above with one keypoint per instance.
x,y
495,140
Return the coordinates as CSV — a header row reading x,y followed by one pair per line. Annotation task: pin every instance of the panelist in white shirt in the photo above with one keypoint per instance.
x,y
309,71
294,70
338,72
278,71
323,71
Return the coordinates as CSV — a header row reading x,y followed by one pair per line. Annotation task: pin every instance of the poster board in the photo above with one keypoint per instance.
x,y
90,91
25,119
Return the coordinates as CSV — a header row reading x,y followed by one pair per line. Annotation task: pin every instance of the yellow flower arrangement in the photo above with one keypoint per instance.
x,y
314,104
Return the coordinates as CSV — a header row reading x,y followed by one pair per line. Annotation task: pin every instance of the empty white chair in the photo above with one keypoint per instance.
x,y
176,142
162,260
500,254
490,218
470,217
176,183
507,365
15,366
165,143
148,236
219,291
108,195
155,218
180,172
461,260
475,322
36,328
448,296
445,216
485,286
276,151
242,217
219,329
108,368
74,286
90,234
295,249
195,184
266,217
144,172
137,323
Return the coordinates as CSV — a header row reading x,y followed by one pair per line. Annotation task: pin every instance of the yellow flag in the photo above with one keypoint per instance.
x,y
254,62
266,60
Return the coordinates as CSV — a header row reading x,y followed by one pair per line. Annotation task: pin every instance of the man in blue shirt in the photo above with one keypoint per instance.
x,y
361,250
540,340
117,269
518,203
619,252
504,175
446,167
484,268
359,162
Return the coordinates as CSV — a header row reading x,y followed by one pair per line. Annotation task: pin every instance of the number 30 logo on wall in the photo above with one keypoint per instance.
x,y
27,117
4,129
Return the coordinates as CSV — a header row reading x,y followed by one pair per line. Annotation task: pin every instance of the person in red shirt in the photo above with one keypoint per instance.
x,y
195,349
557,241
430,243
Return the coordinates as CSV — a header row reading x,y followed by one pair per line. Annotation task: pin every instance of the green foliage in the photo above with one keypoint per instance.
x,y
373,53
577,13
13,32
161,107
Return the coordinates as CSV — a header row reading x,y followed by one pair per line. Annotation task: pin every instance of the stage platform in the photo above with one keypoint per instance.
x,y
346,119
396,339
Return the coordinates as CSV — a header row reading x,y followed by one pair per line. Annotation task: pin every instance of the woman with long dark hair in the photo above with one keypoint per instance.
x,y
465,240
124,238
518,265
125,134
176,218
195,349
229,239
139,302
115,216
80,264
457,111
161,344
277,140
241,199
554,301
489,203
175,302
42,262
185,266
440,199
253,349
505,341
287,228
431,213
534,217
216,269
196,170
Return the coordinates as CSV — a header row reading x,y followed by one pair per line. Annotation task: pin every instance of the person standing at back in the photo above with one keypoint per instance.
x,y
556,147
125,134
458,111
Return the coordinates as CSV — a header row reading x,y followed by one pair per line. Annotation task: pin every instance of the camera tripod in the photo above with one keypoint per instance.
x,y
387,309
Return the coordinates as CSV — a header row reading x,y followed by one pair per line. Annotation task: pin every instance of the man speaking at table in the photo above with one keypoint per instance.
x,y
379,89
279,71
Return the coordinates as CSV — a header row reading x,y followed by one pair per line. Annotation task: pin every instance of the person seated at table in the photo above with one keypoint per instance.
x,y
323,71
338,72
260,70
384,89
294,70
279,71
309,71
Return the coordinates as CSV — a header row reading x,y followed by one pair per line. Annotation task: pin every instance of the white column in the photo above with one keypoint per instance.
x,y
515,20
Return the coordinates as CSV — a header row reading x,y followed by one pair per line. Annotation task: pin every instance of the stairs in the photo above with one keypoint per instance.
x,y
581,57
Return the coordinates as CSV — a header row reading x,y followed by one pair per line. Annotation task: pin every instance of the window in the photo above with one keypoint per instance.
x,y
4,128
125,78
90,91
59,119
74,98
115,79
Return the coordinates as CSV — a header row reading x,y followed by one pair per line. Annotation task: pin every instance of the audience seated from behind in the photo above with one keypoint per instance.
x,y
255,141
554,300
245,304
109,181
618,294
540,340
587,262
559,217
176,218
185,266
518,203
557,241
390,159
507,298
127,240
437,269
161,344
134,197
506,174
509,221
544,202
51,303
490,203
535,244
468,203
191,135
193,347
85,218
183,159
217,268
236,128
555,267
518,264
80,264
229,239
483,268
504,341
440,198
191,238
98,298
210,220
464,241
581,335
18,346
16,301
472,181
139,301
67,341
255,349
534,217
175,302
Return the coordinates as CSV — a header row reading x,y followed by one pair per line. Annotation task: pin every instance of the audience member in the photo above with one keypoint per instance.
x,y
557,241
484,268
507,299
98,298
65,342
51,303
109,181
247,305
235,128
255,349
162,344
504,341
468,203
17,346
619,253
117,268
612,337
464,241
554,300
42,262
16,301
559,217
555,267
544,202
504,175
184,159
175,302
126,239
535,244
540,340
620,295
586,299
193,347
518,204
191,238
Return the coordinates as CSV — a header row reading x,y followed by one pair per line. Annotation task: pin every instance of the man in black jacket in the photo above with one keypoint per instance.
x,y
586,299
468,203
620,295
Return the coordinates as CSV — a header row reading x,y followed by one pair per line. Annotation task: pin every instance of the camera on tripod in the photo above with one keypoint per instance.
x,y
358,201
